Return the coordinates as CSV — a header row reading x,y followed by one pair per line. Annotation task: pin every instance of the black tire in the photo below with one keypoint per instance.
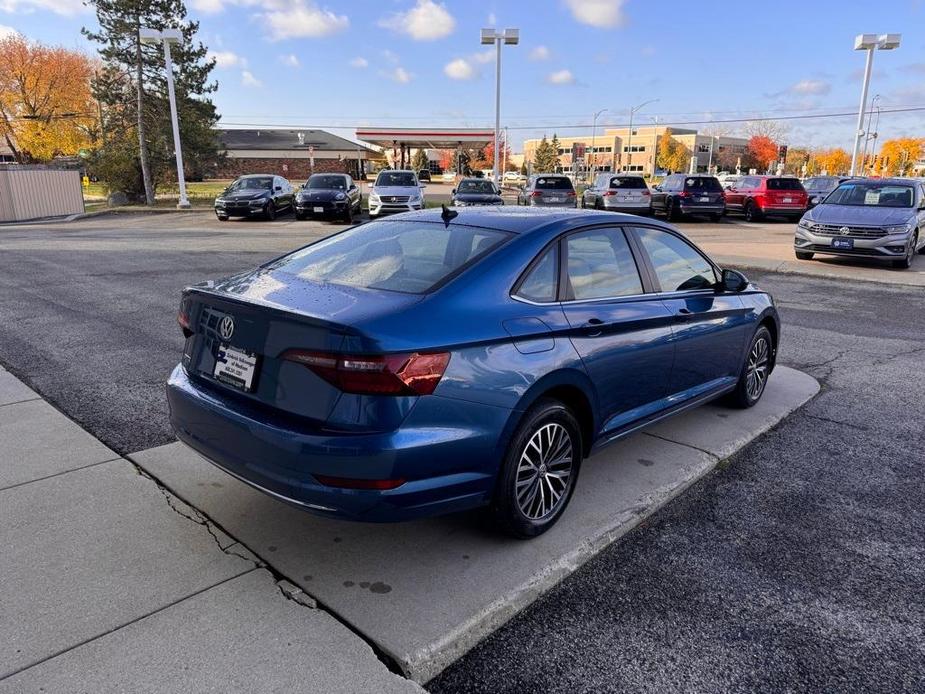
x,y
269,212
752,213
804,255
905,262
671,213
598,204
222,218
746,393
348,214
545,417
299,216
715,216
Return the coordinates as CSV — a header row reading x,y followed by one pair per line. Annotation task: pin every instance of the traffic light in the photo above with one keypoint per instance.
x,y
782,152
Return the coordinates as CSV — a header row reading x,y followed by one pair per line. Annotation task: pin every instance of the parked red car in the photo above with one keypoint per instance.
x,y
756,196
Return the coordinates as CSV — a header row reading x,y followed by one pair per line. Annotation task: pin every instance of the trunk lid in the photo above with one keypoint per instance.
x,y
240,327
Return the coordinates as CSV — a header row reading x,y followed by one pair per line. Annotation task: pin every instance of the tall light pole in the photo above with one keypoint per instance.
x,y
629,141
169,36
510,37
593,133
868,135
869,43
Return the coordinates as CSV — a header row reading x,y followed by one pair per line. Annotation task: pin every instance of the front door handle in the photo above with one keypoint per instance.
x,y
594,326
684,311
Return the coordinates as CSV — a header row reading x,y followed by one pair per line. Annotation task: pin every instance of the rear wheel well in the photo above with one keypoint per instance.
x,y
573,398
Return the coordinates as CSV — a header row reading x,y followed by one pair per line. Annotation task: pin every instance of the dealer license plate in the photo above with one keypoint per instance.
x,y
705,199
235,367
554,199
317,210
843,243
788,199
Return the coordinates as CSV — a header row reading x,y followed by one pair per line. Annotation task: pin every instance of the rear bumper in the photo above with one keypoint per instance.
x,y
631,207
789,210
701,208
538,202
446,450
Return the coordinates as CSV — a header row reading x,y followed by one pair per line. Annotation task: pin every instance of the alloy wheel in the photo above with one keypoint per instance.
x,y
544,472
756,375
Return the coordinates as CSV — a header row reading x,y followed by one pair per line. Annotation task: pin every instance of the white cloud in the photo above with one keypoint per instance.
x,y
492,19
65,7
390,56
248,79
539,53
227,59
302,19
426,21
399,74
290,60
487,56
811,87
561,77
7,31
359,61
459,69
597,13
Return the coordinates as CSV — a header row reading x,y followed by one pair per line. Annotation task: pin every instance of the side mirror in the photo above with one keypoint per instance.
x,y
453,192
657,187
278,188
816,199
733,281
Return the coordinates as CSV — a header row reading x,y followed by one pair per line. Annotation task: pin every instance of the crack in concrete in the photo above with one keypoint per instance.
x,y
287,587
850,425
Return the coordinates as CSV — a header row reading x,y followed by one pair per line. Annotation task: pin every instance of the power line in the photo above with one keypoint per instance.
x,y
580,126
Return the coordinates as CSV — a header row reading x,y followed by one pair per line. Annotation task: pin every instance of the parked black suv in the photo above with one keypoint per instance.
x,y
683,194
328,195
424,175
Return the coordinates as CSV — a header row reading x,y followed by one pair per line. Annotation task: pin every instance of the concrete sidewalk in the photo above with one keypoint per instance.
x,y
112,584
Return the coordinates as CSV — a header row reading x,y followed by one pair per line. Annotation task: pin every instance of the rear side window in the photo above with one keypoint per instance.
x,y
702,183
634,182
408,257
553,183
600,265
542,282
784,184
678,266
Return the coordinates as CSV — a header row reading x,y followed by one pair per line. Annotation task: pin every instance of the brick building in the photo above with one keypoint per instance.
x,y
293,154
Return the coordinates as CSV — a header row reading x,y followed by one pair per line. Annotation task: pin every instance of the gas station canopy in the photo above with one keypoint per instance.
x,y
426,138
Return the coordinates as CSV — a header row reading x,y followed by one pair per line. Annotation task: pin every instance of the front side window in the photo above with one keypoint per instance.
x,y
678,266
542,282
600,265
401,256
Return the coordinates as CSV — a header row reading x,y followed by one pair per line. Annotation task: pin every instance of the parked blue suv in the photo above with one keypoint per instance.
x,y
439,361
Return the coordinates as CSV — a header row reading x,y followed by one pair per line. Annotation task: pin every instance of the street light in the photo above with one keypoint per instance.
x,y
593,132
869,43
169,36
511,37
629,140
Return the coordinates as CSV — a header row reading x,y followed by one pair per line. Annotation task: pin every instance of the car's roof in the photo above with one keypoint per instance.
x,y
398,171
520,220
881,181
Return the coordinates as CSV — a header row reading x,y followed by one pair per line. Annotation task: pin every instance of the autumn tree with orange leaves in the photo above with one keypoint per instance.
x,y
46,106
763,150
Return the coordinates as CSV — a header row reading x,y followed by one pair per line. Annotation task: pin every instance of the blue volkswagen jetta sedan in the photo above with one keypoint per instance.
x,y
435,362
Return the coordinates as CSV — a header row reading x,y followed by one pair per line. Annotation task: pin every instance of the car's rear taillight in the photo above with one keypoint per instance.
x,y
684,194
646,192
536,194
184,321
570,194
388,374
609,193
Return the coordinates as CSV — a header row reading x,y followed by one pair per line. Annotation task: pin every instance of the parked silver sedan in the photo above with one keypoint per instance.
x,y
548,190
619,193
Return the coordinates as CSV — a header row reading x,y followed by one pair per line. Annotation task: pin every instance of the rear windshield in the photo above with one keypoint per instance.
x,y
400,256
476,187
553,183
396,178
702,183
821,183
871,195
634,182
784,184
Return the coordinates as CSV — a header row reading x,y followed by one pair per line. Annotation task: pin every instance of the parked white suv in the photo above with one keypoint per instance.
x,y
396,191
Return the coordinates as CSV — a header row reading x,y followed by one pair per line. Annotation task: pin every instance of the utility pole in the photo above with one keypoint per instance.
x,y
509,37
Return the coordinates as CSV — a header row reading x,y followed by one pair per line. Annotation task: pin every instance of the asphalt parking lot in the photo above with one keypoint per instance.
x,y
799,565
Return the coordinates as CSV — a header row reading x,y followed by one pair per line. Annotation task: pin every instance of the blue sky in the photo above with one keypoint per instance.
x,y
419,62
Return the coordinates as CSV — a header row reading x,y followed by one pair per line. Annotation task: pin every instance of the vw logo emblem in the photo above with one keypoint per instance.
x,y
226,328
844,231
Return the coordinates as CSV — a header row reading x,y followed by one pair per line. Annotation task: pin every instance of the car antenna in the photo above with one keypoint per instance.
x,y
448,215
